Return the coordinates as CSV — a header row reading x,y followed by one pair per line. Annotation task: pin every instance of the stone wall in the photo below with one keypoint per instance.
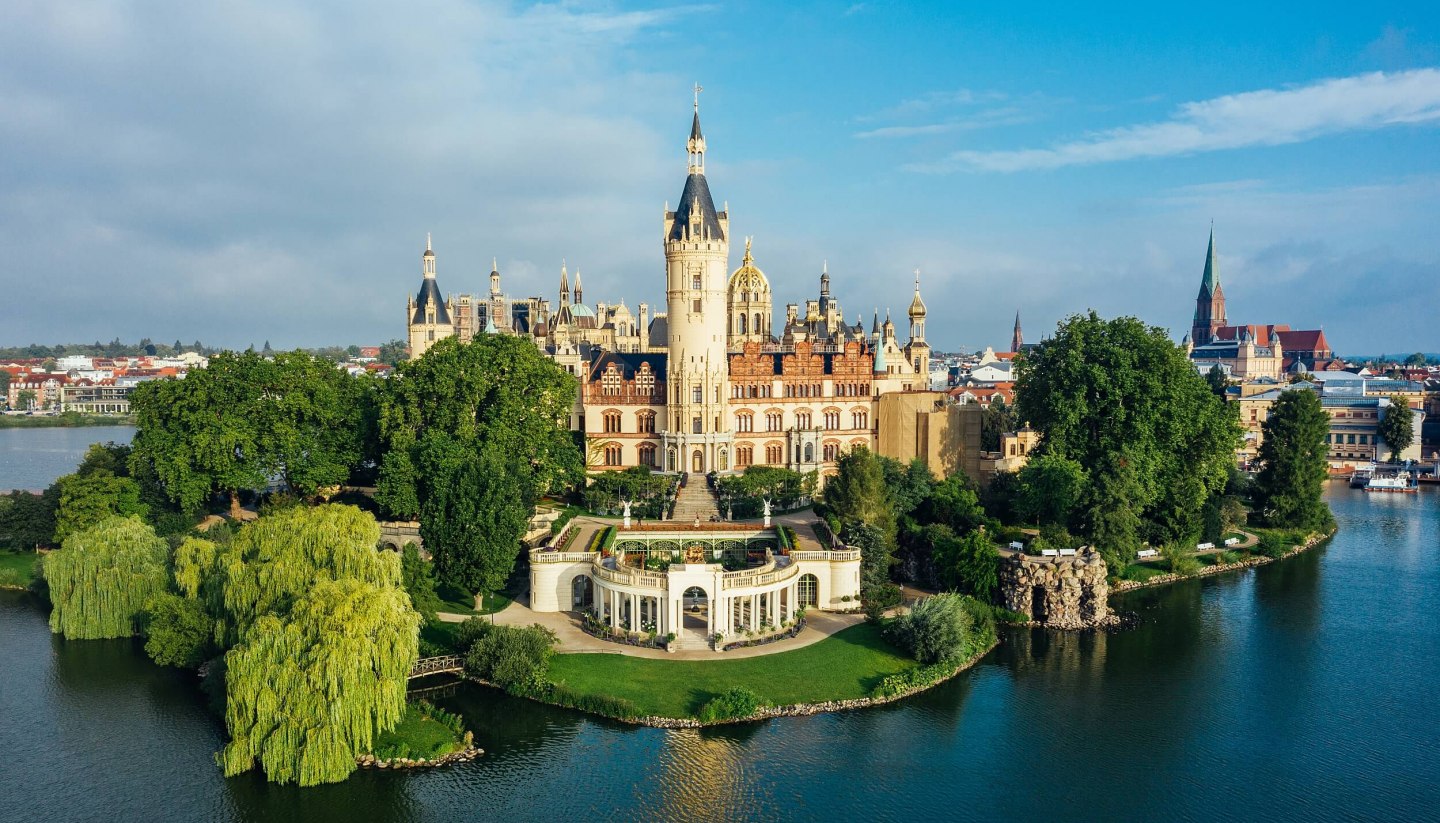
x,y
1058,592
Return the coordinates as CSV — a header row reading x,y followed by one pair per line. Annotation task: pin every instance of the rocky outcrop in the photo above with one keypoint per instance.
x,y
370,761
1058,592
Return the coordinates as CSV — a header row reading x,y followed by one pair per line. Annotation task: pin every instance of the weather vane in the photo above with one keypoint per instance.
x,y
698,88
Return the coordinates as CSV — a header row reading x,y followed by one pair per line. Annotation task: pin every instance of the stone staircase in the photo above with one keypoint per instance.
x,y
690,641
696,499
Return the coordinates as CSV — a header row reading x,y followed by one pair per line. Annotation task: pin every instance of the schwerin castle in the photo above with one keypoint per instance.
x,y
716,382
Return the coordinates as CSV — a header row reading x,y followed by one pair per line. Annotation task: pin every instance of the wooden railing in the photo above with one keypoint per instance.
x,y
445,664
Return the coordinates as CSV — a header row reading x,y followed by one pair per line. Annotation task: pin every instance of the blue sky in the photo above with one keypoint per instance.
x,y
238,172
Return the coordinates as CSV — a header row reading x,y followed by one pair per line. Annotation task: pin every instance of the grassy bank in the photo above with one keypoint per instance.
x,y
845,666
17,569
424,733
66,420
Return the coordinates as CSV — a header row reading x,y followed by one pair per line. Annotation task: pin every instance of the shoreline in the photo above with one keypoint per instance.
x,y
768,712
65,420
1311,542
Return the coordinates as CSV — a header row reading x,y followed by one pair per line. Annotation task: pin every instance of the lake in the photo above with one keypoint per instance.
x,y
1300,690
33,458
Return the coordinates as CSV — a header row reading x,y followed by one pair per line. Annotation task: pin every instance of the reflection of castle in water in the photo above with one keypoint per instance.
x,y
703,776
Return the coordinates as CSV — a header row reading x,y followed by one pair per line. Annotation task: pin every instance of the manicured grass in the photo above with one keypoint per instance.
x,y
845,666
458,601
1141,572
440,633
17,568
417,736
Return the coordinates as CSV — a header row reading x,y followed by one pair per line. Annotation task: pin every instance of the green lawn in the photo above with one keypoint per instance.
x,y
417,736
1141,572
458,601
17,568
845,666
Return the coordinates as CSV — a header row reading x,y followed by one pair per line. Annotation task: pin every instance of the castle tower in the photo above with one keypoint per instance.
x,y
427,315
1210,303
917,351
697,254
1017,339
748,304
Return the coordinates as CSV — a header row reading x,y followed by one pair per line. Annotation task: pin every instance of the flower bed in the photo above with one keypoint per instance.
x,y
784,634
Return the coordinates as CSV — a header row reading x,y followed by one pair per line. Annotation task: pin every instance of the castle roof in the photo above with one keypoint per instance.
x,y
696,196
430,295
628,364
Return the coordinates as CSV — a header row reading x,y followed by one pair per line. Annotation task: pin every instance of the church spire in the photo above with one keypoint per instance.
x,y
579,291
564,285
1017,339
695,146
1211,281
1210,302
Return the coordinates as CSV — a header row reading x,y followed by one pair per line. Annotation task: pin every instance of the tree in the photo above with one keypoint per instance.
x,y
313,423
86,499
1051,488
1397,427
876,558
4,383
419,580
102,577
857,493
1111,513
394,353
997,418
27,520
25,399
514,658
955,503
1293,467
307,693
1117,395
178,631
474,517
1416,359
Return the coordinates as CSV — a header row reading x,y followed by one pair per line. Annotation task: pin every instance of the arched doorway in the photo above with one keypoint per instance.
x,y
695,603
722,460
582,593
671,460
807,590
697,462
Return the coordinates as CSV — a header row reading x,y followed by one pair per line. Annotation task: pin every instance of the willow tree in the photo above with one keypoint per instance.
x,y
102,577
308,692
275,560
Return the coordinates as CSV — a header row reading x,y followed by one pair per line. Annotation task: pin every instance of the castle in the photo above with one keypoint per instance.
x,y
716,382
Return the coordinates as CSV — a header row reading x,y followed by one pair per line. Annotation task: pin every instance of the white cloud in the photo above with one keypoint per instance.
x,y
1267,117
1007,116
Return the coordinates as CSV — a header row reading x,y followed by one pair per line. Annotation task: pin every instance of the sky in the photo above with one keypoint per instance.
x,y
237,172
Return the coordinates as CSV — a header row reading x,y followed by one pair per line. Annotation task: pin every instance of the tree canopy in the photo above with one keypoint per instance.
x,y
1124,402
102,577
1293,464
1397,427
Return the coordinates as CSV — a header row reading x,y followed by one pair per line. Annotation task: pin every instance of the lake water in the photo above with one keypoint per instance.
x,y
33,458
1301,690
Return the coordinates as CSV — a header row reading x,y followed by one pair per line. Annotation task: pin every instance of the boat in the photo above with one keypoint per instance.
x,y
1392,481
1360,476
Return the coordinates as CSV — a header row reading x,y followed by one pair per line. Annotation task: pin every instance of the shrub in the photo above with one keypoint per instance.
x,y
514,659
1230,557
179,631
735,703
600,704
1180,559
912,679
11,578
469,633
1273,544
939,629
880,598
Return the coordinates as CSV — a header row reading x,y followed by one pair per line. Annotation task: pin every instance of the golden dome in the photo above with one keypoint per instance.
x,y
748,279
917,306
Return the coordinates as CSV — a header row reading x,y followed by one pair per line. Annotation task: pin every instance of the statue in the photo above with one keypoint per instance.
x,y
767,513
627,514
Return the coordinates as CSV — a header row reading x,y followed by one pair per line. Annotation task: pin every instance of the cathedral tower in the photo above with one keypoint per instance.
x,y
427,314
1210,303
697,255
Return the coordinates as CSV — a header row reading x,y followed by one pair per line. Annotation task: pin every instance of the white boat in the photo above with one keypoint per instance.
x,y
1396,481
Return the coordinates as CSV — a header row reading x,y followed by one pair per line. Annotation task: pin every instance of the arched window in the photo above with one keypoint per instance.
x,y
613,454
774,454
744,456
745,422
831,452
807,589
802,419
612,422
860,420
742,329
832,419
809,452
757,326
774,421
722,461
647,455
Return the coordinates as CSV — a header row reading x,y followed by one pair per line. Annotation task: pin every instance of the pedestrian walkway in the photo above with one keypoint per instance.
x,y
696,500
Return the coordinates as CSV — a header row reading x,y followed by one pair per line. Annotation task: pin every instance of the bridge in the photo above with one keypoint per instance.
x,y
444,664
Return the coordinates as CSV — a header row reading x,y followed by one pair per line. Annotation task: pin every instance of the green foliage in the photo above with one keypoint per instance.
x,y
275,561
1217,381
1180,558
470,632
1293,463
308,692
735,703
912,680
1276,543
604,705
244,419
647,491
857,494
179,632
102,577
86,499
423,733
473,519
970,563
419,582
1397,427
28,520
513,658
745,493
953,502
1124,402
1051,489
997,418
938,629
398,486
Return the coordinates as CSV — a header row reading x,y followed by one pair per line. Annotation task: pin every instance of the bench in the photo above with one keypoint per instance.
x,y
1146,553
1067,552
1016,545
1049,553
1230,541
1204,546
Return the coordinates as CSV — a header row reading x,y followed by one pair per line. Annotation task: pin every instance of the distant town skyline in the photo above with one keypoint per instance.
x,y
270,172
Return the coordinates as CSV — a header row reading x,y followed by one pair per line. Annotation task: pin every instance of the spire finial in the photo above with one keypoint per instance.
x,y
748,259
917,281
698,88
824,266
494,264
427,241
